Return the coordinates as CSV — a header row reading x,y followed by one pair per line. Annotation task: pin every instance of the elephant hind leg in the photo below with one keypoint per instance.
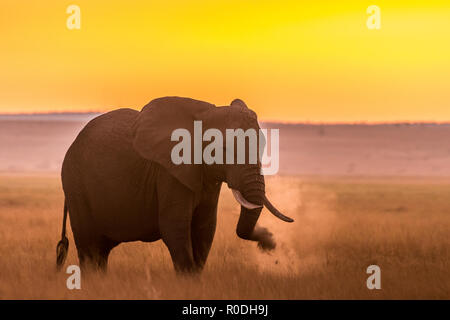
x,y
93,248
94,255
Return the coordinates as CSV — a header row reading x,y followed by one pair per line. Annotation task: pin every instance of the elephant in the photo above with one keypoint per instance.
x,y
120,185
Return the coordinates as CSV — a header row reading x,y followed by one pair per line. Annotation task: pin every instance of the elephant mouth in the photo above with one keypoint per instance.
x,y
247,204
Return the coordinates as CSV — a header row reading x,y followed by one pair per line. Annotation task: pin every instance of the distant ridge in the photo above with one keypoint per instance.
x,y
52,116
275,124
86,116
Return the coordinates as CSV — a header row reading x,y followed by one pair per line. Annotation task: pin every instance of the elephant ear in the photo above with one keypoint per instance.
x,y
153,130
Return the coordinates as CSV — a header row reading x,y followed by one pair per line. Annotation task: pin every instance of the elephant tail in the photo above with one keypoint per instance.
x,y
63,245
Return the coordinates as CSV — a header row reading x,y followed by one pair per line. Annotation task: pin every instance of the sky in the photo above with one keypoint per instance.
x,y
289,61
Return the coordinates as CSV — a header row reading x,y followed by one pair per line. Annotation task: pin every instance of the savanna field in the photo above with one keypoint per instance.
x,y
355,99
342,225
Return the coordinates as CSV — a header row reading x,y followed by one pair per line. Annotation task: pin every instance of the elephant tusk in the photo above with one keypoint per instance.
x,y
275,212
243,202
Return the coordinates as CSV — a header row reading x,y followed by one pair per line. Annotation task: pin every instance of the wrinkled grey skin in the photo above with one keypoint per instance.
x,y
120,185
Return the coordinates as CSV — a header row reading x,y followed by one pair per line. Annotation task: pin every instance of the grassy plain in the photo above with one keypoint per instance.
x,y
342,225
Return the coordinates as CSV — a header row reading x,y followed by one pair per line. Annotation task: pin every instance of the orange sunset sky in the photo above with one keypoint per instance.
x,y
289,60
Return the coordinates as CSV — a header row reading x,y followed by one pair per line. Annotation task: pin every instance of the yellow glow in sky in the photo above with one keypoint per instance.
x,y
289,60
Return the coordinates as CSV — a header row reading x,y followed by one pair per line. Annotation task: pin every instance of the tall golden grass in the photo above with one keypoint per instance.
x,y
342,226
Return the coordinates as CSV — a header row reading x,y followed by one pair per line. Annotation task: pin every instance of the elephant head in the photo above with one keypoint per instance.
x,y
152,140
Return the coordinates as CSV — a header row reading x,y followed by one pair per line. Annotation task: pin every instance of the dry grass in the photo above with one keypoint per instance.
x,y
342,226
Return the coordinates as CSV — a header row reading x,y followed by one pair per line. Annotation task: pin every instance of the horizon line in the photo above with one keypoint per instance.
x,y
304,122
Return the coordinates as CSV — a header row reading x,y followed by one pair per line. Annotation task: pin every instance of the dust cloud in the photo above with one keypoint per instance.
x,y
301,246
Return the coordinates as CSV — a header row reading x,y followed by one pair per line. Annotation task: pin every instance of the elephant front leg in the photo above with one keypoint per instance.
x,y
202,233
175,230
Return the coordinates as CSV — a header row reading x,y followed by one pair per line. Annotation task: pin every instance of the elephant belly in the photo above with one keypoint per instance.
x,y
118,204
127,223
126,210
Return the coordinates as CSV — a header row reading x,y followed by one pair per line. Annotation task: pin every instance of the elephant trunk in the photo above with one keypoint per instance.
x,y
247,222
247,229
252,201
253,188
